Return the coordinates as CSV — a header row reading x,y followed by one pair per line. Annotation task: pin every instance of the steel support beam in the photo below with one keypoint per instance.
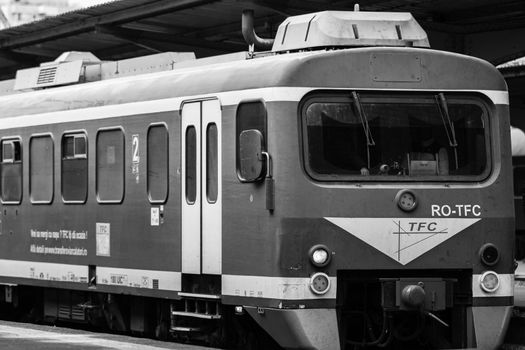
x,y
89,24
20,58
138,37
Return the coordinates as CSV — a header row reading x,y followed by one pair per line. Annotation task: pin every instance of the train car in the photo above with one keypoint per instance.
x,y
347,188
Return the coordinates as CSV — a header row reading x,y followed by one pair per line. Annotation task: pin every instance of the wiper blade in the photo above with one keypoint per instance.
x,y
445,117
364,120
447,123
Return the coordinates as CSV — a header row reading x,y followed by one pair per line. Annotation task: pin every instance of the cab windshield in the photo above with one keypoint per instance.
x,y
366,136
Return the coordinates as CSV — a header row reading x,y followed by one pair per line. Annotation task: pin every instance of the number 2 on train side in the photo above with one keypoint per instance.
x,y
135,148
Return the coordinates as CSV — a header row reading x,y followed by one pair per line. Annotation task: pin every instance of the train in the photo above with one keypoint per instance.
x,y
341,186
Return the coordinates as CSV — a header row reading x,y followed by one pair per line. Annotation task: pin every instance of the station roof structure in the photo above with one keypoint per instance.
x,y
490,29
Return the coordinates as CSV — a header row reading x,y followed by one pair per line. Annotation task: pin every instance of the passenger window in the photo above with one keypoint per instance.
x,y
11,172
110,166
191,165
157,177
41,174
74,176
212,175
250,115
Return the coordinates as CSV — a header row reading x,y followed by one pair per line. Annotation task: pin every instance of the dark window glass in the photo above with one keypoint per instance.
x,y
518,163
110,166
191,165
250,115
157,163
8,153
80,145
74,170
68,146
74,146
18,151
41,169
11,171
519,176
212,175
408,137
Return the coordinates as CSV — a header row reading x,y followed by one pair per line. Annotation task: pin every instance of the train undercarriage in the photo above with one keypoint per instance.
x,y
374,310
390,309
380,309
197,320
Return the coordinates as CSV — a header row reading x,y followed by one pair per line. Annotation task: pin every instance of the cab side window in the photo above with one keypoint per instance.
x,y
11,171
250,116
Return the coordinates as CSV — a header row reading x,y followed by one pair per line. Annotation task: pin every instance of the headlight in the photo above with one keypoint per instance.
x,y
320,283
489,281
319,255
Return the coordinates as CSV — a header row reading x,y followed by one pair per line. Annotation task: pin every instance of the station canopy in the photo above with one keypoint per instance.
x,y
491,29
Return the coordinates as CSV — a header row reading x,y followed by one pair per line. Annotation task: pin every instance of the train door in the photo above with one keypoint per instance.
x,y
201,187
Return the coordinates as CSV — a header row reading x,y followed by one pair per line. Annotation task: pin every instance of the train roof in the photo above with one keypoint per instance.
x,y
343,50
318,69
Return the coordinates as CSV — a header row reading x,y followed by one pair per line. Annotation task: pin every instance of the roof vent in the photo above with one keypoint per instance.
x,y
68,68
46,75
83,67
349,29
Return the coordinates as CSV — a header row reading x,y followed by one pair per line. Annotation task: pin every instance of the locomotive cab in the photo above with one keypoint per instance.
x,y
389,210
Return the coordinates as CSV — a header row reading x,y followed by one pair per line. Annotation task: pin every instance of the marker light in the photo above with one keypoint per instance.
x,y
319,255
489,281
320,283
489,254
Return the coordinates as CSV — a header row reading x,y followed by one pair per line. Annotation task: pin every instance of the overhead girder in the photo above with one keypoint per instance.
x,y
131,14
136,36
19,57
476,29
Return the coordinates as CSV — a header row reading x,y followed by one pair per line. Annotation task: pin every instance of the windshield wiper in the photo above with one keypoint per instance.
x,y
447,123
364,120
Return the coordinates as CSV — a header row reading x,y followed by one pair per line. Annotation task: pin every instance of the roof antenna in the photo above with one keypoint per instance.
x,y
356,7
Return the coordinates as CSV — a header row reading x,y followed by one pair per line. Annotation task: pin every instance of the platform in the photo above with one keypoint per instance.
x,y
22,336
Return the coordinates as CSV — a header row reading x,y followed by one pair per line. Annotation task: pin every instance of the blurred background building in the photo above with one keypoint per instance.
x,y
17,12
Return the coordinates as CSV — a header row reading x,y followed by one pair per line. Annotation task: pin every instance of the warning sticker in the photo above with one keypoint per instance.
x,y
103,239
155,217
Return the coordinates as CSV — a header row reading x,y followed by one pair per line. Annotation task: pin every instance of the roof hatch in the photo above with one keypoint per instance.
x,y
349,29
